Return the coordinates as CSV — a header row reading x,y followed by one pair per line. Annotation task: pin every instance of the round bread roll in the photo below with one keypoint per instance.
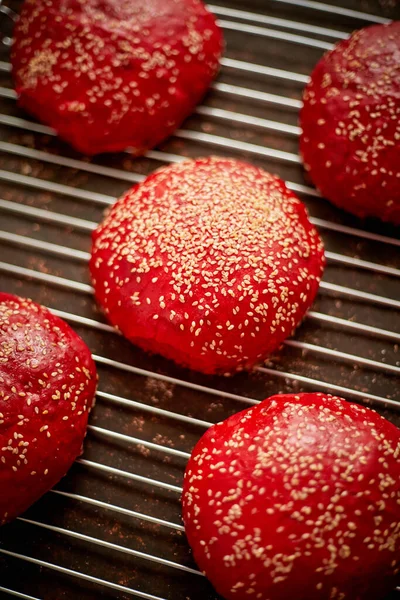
x,y
47,387
351,123
211,263
108,74
298,497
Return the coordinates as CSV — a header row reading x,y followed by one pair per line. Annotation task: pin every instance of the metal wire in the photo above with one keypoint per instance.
x,y
78,575
332,388
128,475
161,412
80,287
302,345
113,435
275,35
87,226
84,288
240,65
84,256
332,257
162,156
336,10
274,21
110,546
87,289
17,594
118,509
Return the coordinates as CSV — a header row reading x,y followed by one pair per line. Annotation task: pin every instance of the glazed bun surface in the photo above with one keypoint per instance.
x,y
113,74
298,497
211,263
351,123
47,387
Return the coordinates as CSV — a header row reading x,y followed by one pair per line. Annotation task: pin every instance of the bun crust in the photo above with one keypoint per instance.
x,y
211,263
298,497
47,387
351,123
112,74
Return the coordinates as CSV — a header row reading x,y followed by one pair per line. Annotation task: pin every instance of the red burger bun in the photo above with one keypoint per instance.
x,y
297,497
47,387
112,74
210,262
350,123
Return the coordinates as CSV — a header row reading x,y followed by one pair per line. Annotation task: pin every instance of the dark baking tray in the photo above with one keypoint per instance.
x,y
33,165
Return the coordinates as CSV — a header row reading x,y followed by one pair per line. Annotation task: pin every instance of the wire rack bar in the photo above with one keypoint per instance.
x,y
284,374
358,360
167,157
330,387
71,163
301,345
344,356
80,255
5,67
77,286
243,399
359,295
223,142
250,94
134,440
231,89
85,288
128,475
57,188
119,401
119,509
78,575
241,118
312,315
7,93
361,328
282,36
367,235
25,124
17,594
109,172
240,65
42,246
173,380
84,321
111,546
268,20
46,215
336,10
350,261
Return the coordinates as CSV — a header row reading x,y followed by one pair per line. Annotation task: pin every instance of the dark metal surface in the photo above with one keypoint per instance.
x,y
228,395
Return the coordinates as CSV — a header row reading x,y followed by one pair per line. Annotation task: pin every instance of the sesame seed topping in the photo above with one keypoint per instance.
x,y
225,252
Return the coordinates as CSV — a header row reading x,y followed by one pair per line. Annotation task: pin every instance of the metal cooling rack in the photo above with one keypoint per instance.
x,y
112,528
